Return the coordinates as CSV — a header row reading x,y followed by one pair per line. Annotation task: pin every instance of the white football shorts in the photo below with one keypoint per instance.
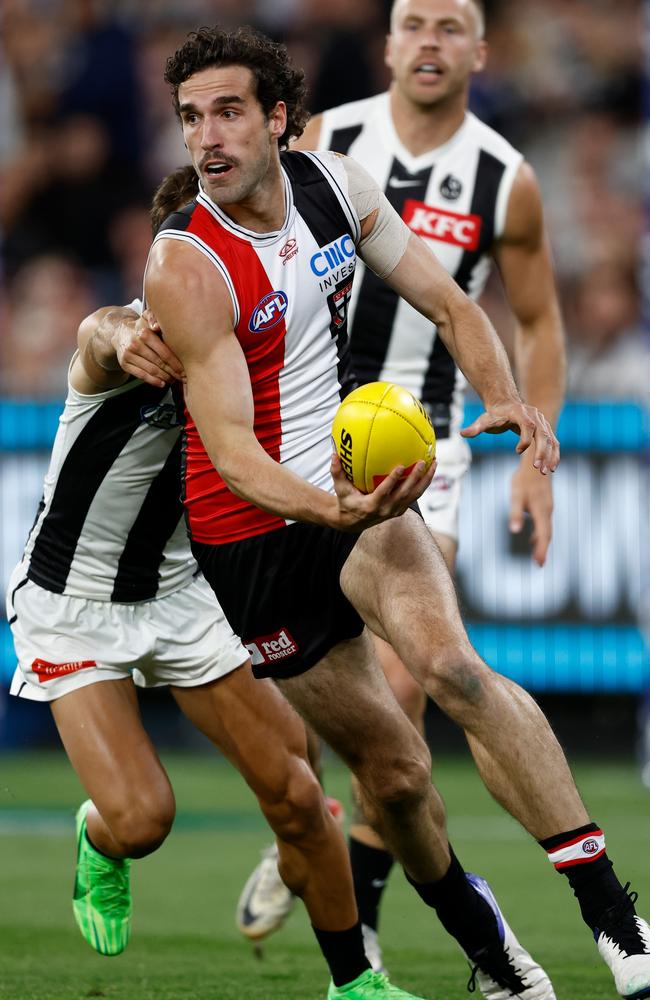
x,y
64,643
440,504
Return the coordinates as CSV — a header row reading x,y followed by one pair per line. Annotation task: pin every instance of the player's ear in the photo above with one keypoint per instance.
x,y
278,119
480,56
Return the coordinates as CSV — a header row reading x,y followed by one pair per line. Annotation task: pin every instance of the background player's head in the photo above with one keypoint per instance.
x,y
177,189
433,48
238,99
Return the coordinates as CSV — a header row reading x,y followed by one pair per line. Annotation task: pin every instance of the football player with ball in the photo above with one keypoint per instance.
x,y
475,202
305,565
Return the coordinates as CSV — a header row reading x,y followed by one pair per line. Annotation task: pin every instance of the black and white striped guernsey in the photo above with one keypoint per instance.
x,y
456,198
110,524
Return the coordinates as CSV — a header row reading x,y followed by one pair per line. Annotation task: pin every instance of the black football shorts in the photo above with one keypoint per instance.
x,y
280,592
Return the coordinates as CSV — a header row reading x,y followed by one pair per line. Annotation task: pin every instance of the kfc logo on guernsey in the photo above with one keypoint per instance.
x,y
334,262
268,312
269,648
49,671
448,227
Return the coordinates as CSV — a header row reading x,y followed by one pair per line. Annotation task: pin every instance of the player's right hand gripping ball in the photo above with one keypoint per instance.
x,y
378,427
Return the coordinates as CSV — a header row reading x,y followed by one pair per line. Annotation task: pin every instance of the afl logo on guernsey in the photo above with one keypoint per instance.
x,y
268,312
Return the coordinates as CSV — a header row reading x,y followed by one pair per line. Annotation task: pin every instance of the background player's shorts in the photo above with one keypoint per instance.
x,y
281,593
440,504
64,643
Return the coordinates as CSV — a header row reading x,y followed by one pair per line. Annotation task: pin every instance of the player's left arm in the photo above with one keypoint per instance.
x,y
523,257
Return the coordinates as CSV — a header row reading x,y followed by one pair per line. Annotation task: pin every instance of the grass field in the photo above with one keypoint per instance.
x,y
184,943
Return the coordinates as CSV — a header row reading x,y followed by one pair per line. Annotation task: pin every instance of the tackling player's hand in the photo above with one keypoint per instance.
x,y
532,494
529,423
358,511
141,352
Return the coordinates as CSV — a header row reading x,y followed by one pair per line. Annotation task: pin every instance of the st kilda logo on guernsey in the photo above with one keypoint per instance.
x,y
338,302
289,250
451,188
268,312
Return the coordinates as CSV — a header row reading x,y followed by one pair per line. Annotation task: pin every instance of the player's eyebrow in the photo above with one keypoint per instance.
x,y
218,102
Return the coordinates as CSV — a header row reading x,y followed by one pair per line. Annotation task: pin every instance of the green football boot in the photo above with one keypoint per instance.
x,y
369,986
102,895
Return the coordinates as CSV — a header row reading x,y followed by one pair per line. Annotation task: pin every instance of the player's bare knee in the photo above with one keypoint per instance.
x,y
141,829
402,783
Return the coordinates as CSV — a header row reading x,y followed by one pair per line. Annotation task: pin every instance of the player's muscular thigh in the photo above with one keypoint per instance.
x,y
397,579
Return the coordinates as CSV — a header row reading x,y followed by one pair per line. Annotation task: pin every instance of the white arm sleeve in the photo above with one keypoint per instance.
x,y
384,246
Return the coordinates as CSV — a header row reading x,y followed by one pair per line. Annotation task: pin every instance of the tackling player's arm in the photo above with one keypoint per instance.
x,y
409,267
523,257
195,311
115,343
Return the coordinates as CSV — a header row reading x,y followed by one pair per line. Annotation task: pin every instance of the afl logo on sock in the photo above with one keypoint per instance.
x,y
591,847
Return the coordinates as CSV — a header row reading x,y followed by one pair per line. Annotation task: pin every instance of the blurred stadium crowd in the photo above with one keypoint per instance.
x,y
87,132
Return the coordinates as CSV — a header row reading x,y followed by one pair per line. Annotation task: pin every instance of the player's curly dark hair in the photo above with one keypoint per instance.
x,y
268,61
176,190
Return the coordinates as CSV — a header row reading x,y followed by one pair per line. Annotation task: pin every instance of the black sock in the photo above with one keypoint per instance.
x,y
343,951
462,911
593,880
370,870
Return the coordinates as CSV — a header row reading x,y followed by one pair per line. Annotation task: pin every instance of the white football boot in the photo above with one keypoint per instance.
x,y
623,940
265,902
505,970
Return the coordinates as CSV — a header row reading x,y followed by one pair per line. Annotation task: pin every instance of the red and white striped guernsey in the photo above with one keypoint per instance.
x,y
290,291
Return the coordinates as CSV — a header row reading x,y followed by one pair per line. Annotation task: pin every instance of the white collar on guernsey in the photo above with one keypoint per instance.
x,y
257,239
393,142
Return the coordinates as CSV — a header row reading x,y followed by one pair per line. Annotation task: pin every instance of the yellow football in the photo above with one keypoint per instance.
x,y
378,427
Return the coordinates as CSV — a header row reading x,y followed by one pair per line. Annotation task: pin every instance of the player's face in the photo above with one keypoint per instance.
x,y
433,48
226,132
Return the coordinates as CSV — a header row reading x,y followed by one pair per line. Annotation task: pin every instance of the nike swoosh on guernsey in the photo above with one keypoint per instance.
x,y
397,182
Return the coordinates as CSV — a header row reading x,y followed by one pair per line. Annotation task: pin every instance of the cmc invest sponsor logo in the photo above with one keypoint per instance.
x,y
330,257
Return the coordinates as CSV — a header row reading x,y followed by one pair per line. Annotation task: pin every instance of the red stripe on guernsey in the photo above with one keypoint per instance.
x,y
216,515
